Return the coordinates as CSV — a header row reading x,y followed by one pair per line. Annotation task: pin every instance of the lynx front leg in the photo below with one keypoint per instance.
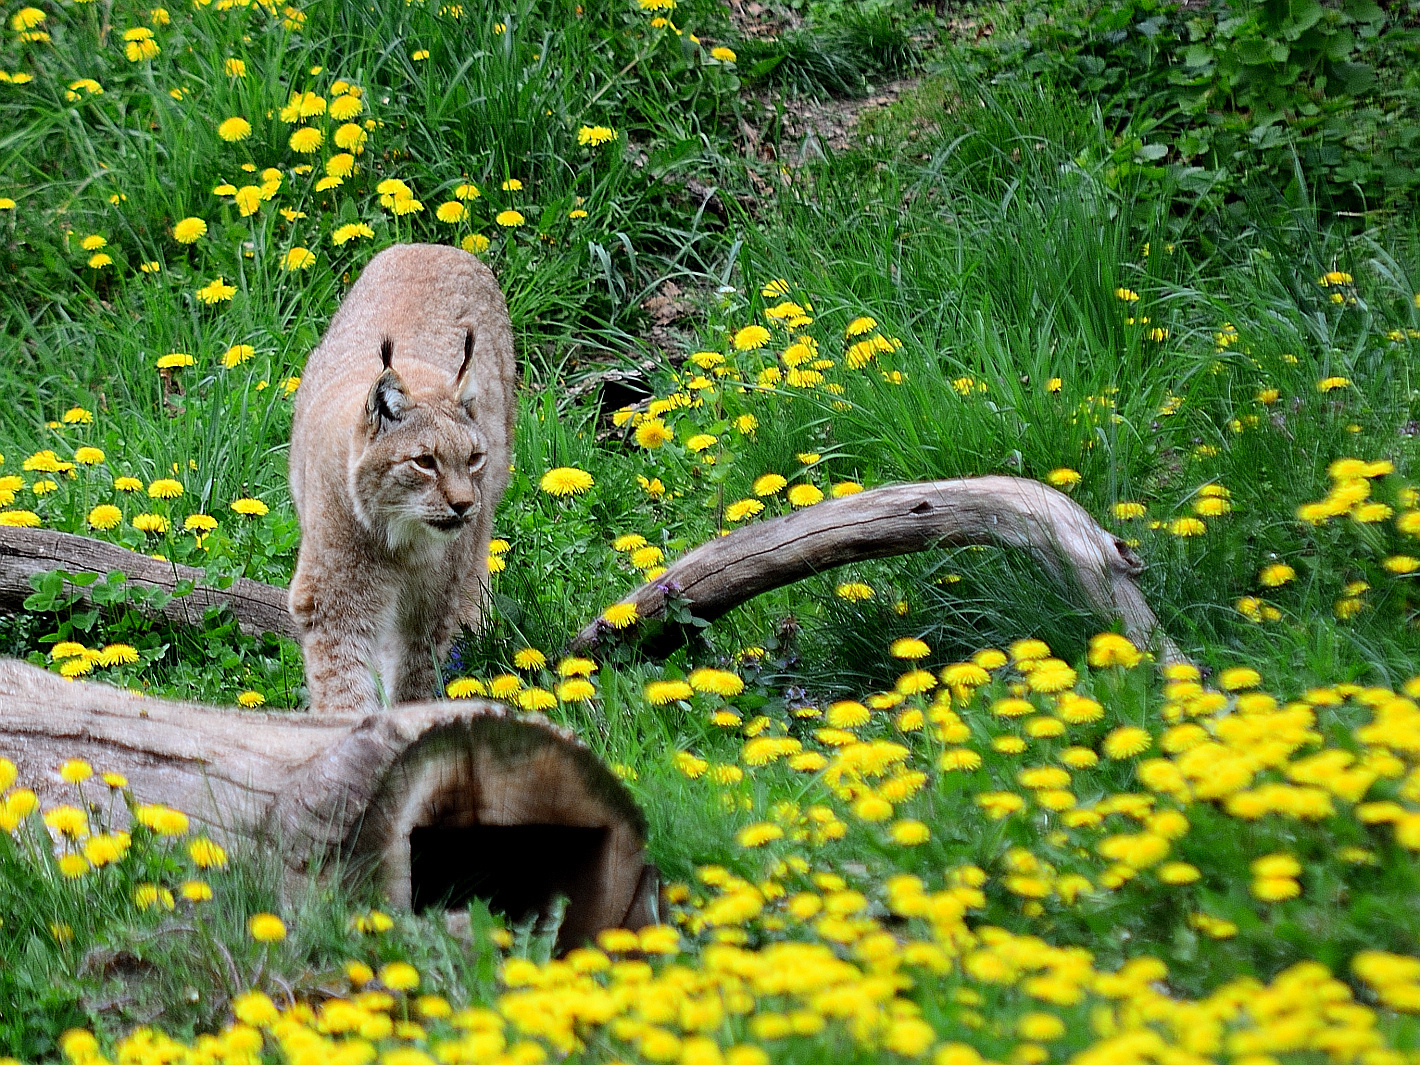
x,y
340,672
412,676
338,644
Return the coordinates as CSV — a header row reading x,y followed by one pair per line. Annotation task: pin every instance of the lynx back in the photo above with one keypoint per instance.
x,y
399,455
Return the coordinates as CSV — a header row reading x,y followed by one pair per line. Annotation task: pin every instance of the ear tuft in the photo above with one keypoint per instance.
x,y
388,402
466,383
386,352
467,356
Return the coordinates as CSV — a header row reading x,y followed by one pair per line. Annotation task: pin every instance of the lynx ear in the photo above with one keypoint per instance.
x,y
466,383
388,401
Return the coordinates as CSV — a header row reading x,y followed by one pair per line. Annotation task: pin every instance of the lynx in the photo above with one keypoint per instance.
x,y
399,454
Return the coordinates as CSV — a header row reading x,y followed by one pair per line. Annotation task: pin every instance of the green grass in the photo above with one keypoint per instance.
x,y
986,230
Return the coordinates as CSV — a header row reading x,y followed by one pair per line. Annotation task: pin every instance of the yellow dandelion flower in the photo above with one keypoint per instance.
x,y
768,484
653,432
805,495
1126,742
206,854
717,681
576,690
189,230
298,258
661,692
266,928
595,136
234,129
465,688
759,834
618,615
751,337
565,481
742,509
451,211
346,107
216,292
118,654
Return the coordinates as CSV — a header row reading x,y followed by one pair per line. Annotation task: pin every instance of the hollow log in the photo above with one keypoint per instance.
x,y
897,520
441,802
257,607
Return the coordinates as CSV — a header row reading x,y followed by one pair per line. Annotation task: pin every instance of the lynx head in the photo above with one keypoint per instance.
x,y
419,474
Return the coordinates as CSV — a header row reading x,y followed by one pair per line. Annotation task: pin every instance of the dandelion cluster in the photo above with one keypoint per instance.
x,y
798,942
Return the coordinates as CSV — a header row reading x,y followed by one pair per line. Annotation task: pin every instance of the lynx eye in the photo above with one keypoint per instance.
x,y
425,462
476,461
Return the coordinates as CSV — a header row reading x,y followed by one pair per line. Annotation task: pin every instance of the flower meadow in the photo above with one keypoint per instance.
x,y
925,809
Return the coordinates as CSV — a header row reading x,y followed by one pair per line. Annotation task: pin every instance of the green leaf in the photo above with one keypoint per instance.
x,y
1254,52
1354,79
1364,10
1305,15
764,66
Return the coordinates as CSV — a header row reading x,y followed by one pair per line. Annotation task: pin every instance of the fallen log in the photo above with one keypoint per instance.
x,y
257,607
441,802
720,575
897,520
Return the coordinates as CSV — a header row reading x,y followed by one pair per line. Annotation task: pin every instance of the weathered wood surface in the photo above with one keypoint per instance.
x,y
897,520
257,607
325,786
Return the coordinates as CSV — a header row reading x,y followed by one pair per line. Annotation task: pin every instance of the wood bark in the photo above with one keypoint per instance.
x,y
257,607
896,520
354,788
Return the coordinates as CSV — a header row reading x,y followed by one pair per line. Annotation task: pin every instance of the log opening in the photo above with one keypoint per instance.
x,y
518,870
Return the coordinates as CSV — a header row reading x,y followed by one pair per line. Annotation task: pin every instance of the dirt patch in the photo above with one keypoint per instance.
x,y
754,19
807,128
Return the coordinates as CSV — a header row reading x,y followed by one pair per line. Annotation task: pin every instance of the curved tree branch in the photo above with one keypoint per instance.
x,y
898,520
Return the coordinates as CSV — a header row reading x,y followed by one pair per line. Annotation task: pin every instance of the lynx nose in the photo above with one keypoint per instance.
x,y
460,506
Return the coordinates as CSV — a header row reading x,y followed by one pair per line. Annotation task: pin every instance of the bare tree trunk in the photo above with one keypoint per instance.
x,y
440,801
898,520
